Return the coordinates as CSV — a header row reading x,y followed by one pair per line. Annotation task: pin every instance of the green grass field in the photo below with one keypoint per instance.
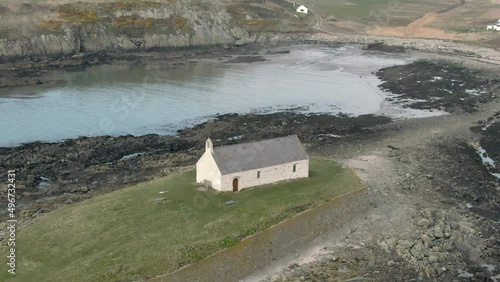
x,y
474,17
378,12
129,234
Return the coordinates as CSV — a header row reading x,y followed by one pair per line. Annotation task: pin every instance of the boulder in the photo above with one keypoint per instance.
x,y
405,244
426,239
391,242
229,203
417,251
424,222
433,259
438,232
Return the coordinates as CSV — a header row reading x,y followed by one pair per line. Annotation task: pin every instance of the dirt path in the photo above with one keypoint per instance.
x,y
319,20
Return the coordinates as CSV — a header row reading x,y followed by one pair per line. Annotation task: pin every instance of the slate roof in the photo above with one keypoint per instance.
x,y
260,154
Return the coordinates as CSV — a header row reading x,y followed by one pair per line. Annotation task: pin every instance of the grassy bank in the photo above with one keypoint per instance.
x,y
138,232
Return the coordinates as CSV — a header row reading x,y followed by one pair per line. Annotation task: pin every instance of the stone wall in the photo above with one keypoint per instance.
x,y
207,171
268,175
258,251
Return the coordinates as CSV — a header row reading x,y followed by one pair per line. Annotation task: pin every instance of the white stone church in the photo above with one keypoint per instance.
x,y
235,167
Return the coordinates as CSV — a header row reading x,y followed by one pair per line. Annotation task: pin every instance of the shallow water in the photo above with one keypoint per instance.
x,y
115,100
487,161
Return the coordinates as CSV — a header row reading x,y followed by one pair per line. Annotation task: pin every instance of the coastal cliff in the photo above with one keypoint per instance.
x,y
86,27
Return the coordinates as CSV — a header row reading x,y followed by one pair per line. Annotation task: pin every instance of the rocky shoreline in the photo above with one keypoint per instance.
x,y
36,70
439,85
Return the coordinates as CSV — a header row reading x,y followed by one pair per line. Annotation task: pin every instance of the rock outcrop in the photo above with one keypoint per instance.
x,y
90,27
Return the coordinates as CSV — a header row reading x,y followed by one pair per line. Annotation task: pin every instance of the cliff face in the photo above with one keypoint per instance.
x,y
90,27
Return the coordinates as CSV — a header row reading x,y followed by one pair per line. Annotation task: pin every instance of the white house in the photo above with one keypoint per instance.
x,y
494,26
302,9
235,167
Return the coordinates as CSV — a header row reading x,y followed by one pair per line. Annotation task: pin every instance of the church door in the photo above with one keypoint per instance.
x,y
235,184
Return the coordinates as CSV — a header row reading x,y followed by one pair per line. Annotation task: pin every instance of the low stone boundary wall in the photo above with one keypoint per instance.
x,y
258,251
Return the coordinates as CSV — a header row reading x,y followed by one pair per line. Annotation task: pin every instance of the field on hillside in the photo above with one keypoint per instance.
x,y
156,227
378,12
471,17
443,19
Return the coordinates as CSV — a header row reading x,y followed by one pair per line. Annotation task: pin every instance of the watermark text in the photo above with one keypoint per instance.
x,y
12,221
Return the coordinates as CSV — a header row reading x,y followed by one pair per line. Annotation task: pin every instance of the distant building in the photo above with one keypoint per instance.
x,y
302,9
235,167
495,26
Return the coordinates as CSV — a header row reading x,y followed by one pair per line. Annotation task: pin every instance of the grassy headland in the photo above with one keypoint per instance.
x,y
156,227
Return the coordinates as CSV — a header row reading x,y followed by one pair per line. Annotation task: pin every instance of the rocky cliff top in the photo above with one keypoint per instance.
x,y
47,29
